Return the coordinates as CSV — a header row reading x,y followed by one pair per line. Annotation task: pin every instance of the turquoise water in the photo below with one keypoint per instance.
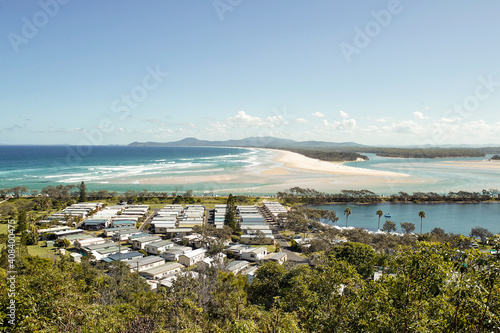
x,y
455,218
118,168
432,175
219,170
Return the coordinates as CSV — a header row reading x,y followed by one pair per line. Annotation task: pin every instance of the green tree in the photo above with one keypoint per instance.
x,y
379,213
389,226
7,209
63,242
266,284
359,255
407,227
329,216
347,212
481,233
22,221
421,214
230,217
82,192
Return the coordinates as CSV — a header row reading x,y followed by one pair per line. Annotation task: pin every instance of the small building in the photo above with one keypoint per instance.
x,y
191,258
89,241
75,257
179,232
236,250
140,243
133,237
211,261
64,233
95,224
168,280
141,264
254,253
124,256
125,234
250,272
158,247
106,252
53,230
124,223
161,227
279,257
173,253
237,266
159,272
109,232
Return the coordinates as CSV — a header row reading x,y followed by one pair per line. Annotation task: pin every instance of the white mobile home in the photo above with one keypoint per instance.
x,y
158,272
158,247
254,253
191,258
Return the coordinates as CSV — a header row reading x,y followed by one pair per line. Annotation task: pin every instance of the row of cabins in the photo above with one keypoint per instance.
x,y
254,226
273,209
174,220
167,218
81,210
219,216
116,217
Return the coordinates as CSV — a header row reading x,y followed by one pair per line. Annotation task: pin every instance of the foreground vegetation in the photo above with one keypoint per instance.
x,y
433,282
425,287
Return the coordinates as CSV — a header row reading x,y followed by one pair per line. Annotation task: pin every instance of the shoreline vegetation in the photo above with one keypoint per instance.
x,y
63,195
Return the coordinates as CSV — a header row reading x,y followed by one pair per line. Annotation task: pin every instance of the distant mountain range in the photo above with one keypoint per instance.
x,y
266,141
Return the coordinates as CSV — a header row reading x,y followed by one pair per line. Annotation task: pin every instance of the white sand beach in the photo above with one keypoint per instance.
x,y
300,162
284,169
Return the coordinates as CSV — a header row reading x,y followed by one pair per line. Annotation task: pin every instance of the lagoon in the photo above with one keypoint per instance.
x,y
452,217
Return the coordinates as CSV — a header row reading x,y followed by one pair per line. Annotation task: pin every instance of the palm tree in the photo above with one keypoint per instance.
x,y
421,214
379,213
347,212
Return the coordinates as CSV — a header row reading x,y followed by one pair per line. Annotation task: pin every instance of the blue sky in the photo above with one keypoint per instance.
x,y
373,72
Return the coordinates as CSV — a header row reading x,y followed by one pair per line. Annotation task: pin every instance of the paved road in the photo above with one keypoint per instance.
x,y
291,256
149,219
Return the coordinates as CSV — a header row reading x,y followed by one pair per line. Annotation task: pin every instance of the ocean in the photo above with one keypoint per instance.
x,y
243,171
121,168
224,170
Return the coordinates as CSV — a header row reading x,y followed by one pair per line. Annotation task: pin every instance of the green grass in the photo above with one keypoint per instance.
x,y
42,251
3,228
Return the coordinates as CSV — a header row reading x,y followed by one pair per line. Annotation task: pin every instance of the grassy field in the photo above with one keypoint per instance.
x,y
3,228
42,251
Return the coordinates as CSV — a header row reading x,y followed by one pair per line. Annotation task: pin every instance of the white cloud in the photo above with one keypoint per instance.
x,y
343,114
317,115
419,115
301,121
243,119
346,125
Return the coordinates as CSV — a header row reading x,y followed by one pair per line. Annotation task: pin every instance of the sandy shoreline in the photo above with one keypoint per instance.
x,y
300,162
281,169
488,164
